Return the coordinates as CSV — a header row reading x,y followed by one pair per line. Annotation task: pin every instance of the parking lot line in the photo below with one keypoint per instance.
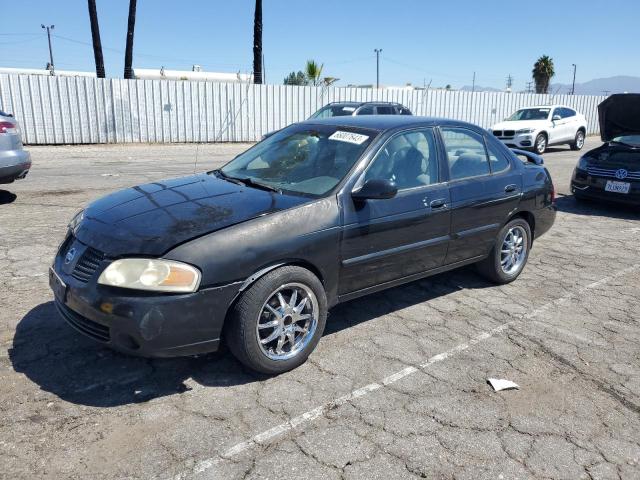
x,y
309,416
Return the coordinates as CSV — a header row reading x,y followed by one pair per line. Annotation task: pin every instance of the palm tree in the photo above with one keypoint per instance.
x,y
128,52
257,43
95,36
313,71
542,73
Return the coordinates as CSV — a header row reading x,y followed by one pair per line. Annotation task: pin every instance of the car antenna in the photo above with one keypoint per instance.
x,y
195,163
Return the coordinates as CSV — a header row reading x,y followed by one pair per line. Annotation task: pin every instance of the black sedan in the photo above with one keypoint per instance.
x,y
321,212
612,171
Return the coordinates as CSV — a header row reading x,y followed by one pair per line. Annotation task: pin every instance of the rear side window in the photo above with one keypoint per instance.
x,y
366,110
385,110
497,160
466,153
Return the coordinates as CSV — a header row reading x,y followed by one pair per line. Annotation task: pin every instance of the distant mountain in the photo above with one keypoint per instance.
x,y
600,86
478,88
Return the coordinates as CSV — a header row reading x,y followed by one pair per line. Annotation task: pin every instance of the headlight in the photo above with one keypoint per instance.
x,y
583,163
75,221
151,274
526,130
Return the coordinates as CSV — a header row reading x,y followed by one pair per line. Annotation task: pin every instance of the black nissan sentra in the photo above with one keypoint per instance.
x,y
321,212
612,171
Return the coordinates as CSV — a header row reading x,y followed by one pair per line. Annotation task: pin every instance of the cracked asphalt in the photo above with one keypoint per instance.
x,y
396,388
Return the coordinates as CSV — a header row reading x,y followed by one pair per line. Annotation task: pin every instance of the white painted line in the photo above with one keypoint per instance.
x,y
295,422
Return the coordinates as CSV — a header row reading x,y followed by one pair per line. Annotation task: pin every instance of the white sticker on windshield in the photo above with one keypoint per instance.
x,y
349,137
348,109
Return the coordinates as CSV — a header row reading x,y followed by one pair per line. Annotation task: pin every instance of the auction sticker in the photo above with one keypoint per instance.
x,y
349,137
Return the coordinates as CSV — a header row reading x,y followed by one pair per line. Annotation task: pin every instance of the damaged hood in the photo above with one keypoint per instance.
x,y
153,218
619,115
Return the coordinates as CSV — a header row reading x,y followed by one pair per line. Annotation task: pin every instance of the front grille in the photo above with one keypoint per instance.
x,y
509,133
497,133
84,325
611,173
88,264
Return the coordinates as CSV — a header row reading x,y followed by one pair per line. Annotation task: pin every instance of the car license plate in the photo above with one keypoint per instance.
x,y
57,285
617,187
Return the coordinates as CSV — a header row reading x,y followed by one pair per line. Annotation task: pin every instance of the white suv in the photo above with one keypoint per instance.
x,y
538,127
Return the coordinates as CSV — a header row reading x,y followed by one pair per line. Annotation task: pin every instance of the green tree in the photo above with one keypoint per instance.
x,y
128,51
257,43
296,78
95,37
542,73
313,72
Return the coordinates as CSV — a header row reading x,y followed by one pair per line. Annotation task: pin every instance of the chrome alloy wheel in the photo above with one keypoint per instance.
x,y
514,250
541,144
287,321
580,140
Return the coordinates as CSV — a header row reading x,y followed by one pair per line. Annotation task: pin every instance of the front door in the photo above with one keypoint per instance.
x,y
385,240
485,189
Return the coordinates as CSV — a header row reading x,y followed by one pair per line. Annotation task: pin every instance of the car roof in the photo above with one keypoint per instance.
x,y
387,122
359,104
554,105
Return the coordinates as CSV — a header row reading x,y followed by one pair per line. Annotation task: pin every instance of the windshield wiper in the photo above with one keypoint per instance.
x,y
252,183
220,174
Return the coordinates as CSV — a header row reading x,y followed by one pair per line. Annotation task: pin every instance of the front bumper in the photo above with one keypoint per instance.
x,y
14,165
518,140
141,323
586,186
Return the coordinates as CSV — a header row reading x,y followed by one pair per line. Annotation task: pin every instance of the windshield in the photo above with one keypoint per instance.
x,y
335,111
305,159
530,114
633,140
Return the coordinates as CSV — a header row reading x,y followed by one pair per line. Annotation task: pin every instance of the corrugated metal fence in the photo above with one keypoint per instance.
x,y
68,110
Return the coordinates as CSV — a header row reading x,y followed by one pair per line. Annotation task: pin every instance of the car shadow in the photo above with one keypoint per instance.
x,y
81,371
569,204
7,197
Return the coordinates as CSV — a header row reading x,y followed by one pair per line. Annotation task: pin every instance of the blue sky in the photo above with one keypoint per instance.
x,y
439,41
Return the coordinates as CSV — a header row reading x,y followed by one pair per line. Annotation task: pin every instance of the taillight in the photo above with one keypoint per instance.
x,y
7,127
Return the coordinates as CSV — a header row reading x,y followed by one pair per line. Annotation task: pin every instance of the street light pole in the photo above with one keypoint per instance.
x,y
377,50
49,28
573,86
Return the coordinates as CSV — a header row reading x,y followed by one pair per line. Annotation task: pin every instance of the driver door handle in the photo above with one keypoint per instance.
x,y
438,204
510,188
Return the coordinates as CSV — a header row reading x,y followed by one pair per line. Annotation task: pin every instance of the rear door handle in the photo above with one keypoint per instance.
x,y
510,188
439,203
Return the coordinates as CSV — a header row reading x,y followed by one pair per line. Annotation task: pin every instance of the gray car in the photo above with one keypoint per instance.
x,y
15,162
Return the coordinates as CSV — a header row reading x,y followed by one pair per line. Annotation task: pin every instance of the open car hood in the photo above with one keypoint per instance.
x,y
619,115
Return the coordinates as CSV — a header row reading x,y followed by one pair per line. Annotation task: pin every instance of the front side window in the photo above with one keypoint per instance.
x,y
366,110
305,159
408,160
385,110
466,153
567,113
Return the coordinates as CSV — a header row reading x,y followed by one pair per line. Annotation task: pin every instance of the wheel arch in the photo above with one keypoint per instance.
x,y
527,217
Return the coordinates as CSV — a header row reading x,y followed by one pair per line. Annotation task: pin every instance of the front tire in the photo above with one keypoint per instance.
x,y
510,253
578,142
540,145
278,321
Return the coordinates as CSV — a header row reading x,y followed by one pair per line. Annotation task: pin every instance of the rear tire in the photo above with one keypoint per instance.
x,y
578,142
509,254
271,329
540,145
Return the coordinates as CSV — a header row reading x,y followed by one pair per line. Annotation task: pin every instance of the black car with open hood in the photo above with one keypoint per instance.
x,y
612,171
321,212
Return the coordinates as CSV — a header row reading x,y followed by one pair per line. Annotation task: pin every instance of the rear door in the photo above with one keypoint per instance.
x,y
384,240
485,189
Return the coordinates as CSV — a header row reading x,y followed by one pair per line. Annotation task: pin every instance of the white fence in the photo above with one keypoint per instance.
x,y
68,110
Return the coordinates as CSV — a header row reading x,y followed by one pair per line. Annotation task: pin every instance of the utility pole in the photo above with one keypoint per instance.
x,y
573,86
48,29
378,51
606,92
509,82
529,87
473,83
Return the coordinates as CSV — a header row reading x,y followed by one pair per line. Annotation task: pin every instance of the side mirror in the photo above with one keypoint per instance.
x,y
555,118
375,189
